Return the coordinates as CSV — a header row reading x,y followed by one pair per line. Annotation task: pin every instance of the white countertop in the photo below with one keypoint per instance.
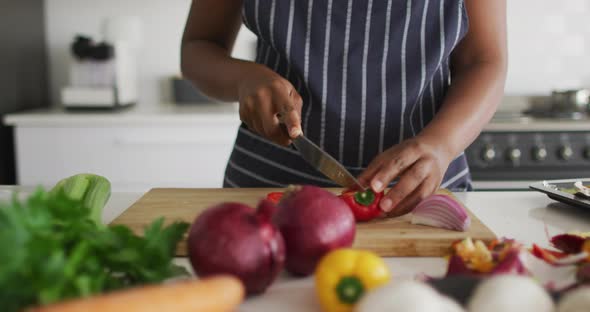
x,y
160,114
507,117
525,216
228,112
537,125
516,185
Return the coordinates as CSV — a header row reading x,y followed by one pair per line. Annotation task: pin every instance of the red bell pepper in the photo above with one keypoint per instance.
x,y
363,204
274,197
547,255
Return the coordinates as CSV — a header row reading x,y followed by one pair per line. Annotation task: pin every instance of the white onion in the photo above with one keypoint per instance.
x,y
510,293
406,296
575,301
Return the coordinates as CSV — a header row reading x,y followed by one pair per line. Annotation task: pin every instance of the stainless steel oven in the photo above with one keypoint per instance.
x,y
514,151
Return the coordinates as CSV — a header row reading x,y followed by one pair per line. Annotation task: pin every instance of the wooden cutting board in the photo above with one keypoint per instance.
x,y
389,237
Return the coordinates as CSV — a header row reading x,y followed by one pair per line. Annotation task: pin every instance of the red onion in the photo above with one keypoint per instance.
x,y
442,211
235,239
457,266
512,264
313,222
568,243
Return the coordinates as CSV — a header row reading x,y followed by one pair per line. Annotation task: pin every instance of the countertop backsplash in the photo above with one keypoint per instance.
x,y
163,22
549,43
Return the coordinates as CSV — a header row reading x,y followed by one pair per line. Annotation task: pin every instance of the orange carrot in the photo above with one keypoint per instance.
x,y
216,294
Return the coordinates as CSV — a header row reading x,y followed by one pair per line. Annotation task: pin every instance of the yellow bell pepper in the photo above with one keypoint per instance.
x,y
344,275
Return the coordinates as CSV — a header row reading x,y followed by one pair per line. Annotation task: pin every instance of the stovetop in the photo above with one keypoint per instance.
x,y
517,146
518,122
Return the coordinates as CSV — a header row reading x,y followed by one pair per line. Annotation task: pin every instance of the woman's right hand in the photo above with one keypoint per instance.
x,y
265,97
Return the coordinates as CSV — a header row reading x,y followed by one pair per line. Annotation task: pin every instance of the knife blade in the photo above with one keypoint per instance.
x,y
325,163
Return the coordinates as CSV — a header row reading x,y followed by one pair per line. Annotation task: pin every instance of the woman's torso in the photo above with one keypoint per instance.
x,y
371,74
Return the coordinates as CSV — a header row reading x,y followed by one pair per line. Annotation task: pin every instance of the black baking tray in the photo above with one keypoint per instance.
x,y
563,191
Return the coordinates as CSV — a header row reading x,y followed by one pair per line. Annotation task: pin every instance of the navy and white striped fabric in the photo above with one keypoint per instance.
x,y
371,74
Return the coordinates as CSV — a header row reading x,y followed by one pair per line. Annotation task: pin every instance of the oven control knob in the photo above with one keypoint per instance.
x,y
514,154
566,152
488,154
539,153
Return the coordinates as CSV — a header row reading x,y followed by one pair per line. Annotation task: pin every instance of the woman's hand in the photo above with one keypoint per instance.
x,y
419,163
479,65
265,96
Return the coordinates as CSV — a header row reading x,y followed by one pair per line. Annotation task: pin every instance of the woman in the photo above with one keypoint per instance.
x,y
394,89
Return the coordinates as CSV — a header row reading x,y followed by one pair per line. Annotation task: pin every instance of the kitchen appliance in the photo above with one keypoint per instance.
x,y
550,140
23,78
562,104
391,237
185,93
104,74
325,163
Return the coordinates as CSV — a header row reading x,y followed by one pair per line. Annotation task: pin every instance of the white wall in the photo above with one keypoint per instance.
x,y
549,41
163,22
549,45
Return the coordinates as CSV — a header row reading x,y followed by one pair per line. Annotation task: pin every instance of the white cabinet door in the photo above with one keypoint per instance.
x,y
132,158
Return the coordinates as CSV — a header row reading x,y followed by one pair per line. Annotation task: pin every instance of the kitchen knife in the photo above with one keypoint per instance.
x,y
325,163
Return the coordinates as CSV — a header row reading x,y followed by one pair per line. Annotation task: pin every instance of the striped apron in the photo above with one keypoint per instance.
x,y
371,74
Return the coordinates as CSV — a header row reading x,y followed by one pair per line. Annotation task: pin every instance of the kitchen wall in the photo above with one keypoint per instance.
x,y
549,42
163,22
549,45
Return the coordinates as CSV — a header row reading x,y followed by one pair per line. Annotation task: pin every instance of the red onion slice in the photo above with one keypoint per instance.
x,y
442,211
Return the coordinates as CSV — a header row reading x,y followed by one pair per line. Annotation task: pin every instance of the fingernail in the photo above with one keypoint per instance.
x,y
295,132
386,204
377,185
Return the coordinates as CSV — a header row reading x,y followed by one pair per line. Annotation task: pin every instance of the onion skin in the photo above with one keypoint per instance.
x,y
313,222
506,258
456,266
512,264
442,211
234,239
568,243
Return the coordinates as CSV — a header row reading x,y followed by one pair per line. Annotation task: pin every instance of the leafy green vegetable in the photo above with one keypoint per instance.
x,y
53,248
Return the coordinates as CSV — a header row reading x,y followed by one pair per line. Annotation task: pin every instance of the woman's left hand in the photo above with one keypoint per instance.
x,y
420,164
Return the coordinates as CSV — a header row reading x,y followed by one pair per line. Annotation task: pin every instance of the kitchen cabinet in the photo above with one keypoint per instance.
x,y
23,81
171,146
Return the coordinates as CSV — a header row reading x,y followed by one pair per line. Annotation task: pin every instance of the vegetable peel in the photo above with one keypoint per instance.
x,y
498,257
569,243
